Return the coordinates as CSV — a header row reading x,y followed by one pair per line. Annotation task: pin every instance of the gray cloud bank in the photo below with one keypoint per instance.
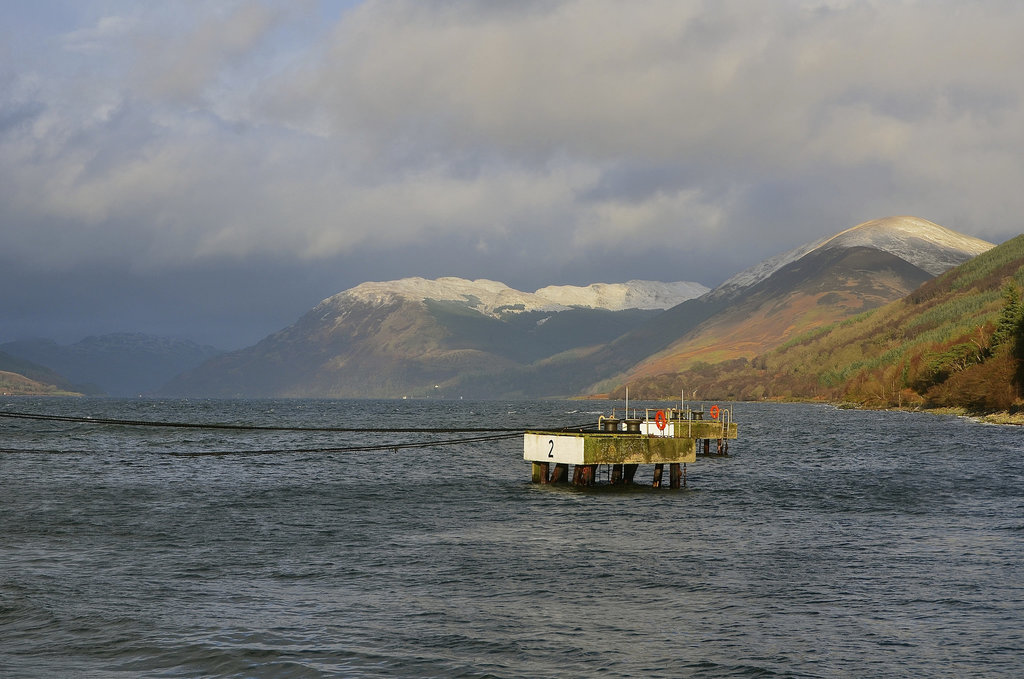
x,y
220,167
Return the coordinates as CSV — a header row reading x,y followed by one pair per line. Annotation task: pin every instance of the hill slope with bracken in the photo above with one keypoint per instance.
x,y
958,340
820,283
19,377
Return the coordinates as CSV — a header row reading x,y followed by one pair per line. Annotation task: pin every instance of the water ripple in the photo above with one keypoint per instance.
x,y
831,543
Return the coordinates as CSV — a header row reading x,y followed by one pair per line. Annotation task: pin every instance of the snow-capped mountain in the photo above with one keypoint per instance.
x,y
418,337
924,244
452,336
819,283
495,299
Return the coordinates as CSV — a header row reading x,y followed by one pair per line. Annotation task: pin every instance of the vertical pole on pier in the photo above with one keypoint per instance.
x,y
628,472
559,474
540,472
707,446
674,475
616,474
658,468
720,451
684,475
577,474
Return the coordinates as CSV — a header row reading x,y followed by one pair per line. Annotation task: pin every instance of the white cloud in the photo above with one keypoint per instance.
x,y
98,38
179,130
185,56
603,80
661,222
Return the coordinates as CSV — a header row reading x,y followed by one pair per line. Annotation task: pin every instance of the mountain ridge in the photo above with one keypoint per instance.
x,y
818,283
455,337
494,298
877,233
389,341
821,287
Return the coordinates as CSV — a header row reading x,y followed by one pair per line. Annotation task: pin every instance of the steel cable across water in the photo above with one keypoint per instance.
x,y
491,434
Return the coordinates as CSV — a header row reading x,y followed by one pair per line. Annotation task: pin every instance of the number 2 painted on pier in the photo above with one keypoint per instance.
x,y
551,450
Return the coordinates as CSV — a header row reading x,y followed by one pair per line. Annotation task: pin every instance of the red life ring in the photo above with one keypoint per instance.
x,y
714,412
661,420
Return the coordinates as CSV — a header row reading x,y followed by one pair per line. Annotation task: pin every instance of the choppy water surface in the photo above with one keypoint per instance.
x,y
831,543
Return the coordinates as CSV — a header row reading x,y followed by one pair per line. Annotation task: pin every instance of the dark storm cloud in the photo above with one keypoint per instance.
x,y
283,152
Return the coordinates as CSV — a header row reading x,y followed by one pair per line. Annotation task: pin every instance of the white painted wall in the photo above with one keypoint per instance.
x,y
553,448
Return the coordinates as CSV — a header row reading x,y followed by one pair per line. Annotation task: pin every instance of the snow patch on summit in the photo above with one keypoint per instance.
x,y
484,295
493,298
632,294
924,244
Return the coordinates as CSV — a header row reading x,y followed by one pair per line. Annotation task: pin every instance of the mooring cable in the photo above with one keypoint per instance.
x,y
257,427
489,434
347,449
291,451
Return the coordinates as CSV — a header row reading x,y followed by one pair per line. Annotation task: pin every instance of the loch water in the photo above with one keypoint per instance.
x,y
830,543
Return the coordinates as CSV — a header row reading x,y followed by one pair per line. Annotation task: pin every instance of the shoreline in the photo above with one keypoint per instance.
x,y
1002,417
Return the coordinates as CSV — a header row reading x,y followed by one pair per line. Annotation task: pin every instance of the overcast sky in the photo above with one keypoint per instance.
x,y
211,170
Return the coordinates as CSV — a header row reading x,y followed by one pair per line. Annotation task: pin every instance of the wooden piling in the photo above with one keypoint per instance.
x,y
560,474
616,474
658,469
628,472
674,475
540,472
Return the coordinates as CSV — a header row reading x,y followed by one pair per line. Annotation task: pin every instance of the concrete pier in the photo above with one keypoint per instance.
x,y
665,436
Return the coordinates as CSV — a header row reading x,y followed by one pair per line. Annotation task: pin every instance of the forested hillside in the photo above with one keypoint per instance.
x,y
958,340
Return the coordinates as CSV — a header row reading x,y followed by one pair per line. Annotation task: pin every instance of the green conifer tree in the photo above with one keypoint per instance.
x,y
1009,325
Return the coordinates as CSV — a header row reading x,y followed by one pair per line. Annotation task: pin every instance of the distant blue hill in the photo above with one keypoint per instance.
x,y
119,364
